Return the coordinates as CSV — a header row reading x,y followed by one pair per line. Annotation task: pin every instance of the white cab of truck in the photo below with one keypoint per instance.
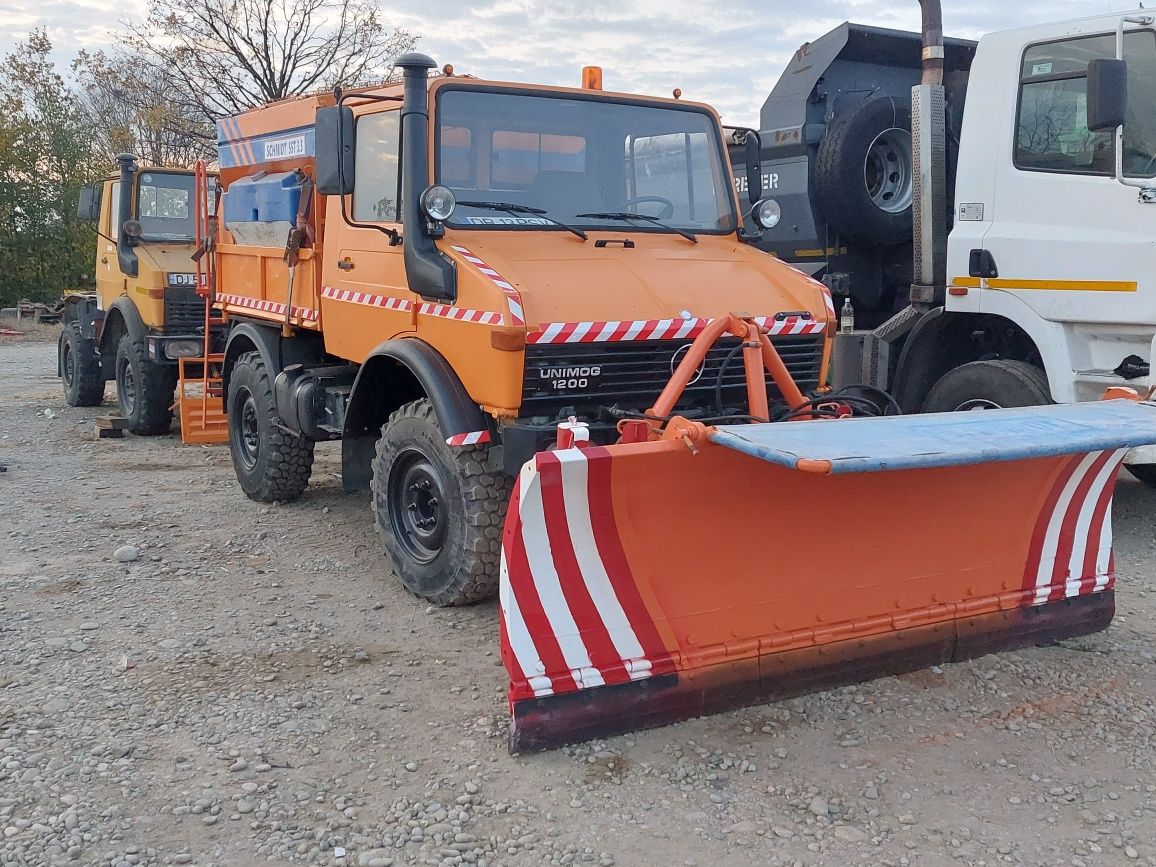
x,y
1069,228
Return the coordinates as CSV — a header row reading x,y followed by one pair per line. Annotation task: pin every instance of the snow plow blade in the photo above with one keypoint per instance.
x,y
652,582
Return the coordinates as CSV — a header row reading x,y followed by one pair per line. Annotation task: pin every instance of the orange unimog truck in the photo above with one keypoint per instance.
x,y
475,262
485,281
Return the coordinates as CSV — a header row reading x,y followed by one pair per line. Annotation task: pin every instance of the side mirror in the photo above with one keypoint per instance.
x,y
336,134
88,208
1107,93
753,156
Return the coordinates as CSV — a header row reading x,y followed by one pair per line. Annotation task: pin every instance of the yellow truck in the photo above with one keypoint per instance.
x,y
145,314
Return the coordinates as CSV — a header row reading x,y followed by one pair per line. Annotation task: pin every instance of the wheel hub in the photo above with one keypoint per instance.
x,y
418,511
68,364
888,171
126,388
977,404
250,434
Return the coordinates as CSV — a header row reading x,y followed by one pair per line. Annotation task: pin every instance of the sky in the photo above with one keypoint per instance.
x,y
728,54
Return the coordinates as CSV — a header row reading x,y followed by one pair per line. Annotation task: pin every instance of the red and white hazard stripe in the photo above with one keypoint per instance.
x,y
513,298
472,438
443,311
828,301
367,298
657,329
264,306
572,614
1071,547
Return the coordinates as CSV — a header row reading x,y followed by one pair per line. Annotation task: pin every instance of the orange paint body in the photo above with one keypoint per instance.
x,y
557,277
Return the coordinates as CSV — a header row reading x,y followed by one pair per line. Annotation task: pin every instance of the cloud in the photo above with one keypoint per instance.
x,y
728,54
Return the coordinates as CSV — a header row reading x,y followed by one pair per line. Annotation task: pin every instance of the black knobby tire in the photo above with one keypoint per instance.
x,y
1146,473
271,463
80,370
864,172
144,389
439,509
995,384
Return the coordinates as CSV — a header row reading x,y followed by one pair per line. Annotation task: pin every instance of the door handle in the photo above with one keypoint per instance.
x,y
345,264
104,261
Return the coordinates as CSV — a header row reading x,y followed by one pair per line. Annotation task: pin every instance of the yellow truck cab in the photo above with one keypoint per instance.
x,y
145,313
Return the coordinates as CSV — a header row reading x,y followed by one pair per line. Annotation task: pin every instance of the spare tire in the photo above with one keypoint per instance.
x,y
865,172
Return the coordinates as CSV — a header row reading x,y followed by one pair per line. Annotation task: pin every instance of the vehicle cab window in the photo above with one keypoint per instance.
x,y
1052,132
376,196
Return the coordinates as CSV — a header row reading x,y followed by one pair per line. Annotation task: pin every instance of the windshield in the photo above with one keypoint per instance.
x,y
573,156
165,206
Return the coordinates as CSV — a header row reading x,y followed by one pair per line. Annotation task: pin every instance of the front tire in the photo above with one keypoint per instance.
x,y
270,462
144,389
439,509
80,371
996,384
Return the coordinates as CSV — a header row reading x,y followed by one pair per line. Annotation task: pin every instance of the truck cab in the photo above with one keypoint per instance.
x,y
145,314
1043,249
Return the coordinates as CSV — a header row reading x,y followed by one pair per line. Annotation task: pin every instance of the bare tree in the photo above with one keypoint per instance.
x,y
219,57
125,108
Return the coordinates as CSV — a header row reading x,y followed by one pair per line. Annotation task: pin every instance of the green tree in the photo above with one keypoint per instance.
x,y
45,157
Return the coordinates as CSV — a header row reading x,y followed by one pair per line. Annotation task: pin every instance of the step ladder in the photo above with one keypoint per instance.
x,y
200,388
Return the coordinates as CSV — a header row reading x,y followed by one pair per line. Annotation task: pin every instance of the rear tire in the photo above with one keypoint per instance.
x,y
270,462
80,371
439,509
996,384
864,172
144,389
1146,473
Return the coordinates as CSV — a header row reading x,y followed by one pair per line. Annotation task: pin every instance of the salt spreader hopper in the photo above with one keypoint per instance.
x,y
691,569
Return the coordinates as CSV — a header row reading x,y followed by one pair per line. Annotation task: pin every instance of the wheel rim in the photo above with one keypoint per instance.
x,y
977,404
887,171
246,429
68,366
126,387
418,510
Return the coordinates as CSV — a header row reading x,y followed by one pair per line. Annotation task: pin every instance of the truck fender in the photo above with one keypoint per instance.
x,y
276,352
918,369
379,390
121,317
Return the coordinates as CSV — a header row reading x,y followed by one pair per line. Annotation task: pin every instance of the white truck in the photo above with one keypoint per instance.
x,y
1044,137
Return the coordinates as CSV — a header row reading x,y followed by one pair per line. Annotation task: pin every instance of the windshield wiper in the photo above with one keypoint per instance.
x,y
630,215
511,208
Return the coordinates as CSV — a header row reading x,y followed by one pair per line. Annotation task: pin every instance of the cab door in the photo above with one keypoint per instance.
x,y
365,299
110,280
1069,242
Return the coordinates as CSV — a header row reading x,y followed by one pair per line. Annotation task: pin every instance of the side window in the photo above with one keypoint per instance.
x,y
1052,132
375,192
114,218
676,167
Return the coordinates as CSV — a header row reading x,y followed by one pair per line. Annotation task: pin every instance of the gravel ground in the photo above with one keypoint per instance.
x,y
187,677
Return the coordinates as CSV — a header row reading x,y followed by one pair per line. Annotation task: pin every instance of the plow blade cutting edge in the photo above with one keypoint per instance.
x,y
646,583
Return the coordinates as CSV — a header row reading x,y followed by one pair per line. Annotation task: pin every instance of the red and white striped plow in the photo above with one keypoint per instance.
x,y
646,583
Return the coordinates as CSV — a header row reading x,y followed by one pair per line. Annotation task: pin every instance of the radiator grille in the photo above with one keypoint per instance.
x,y
630,375
184,311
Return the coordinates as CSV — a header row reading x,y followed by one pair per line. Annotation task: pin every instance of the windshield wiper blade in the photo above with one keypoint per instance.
x,y
511,208
630,215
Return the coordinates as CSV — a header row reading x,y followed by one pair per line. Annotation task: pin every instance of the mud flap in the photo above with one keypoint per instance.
x,y
644,584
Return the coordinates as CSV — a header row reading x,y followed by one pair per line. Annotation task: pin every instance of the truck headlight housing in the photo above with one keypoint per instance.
x,y
438,203
767,213
175,349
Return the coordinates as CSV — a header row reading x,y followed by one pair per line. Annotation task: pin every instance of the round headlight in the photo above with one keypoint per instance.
x,y
767,213
438,203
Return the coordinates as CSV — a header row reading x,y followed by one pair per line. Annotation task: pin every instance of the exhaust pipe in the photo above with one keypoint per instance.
x,y
430,274
929,150
125,254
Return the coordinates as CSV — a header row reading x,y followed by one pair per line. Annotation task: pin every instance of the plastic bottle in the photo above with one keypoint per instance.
x,y
847,317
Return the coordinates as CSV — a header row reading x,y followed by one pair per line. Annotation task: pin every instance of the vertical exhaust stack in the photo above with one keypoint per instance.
x,y
929,147
124,251
430,274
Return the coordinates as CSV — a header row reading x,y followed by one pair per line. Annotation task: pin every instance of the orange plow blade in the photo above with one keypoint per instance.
x,y
653,582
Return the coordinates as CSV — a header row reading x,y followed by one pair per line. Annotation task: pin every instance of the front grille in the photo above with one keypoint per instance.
x,y
631,375
184,311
